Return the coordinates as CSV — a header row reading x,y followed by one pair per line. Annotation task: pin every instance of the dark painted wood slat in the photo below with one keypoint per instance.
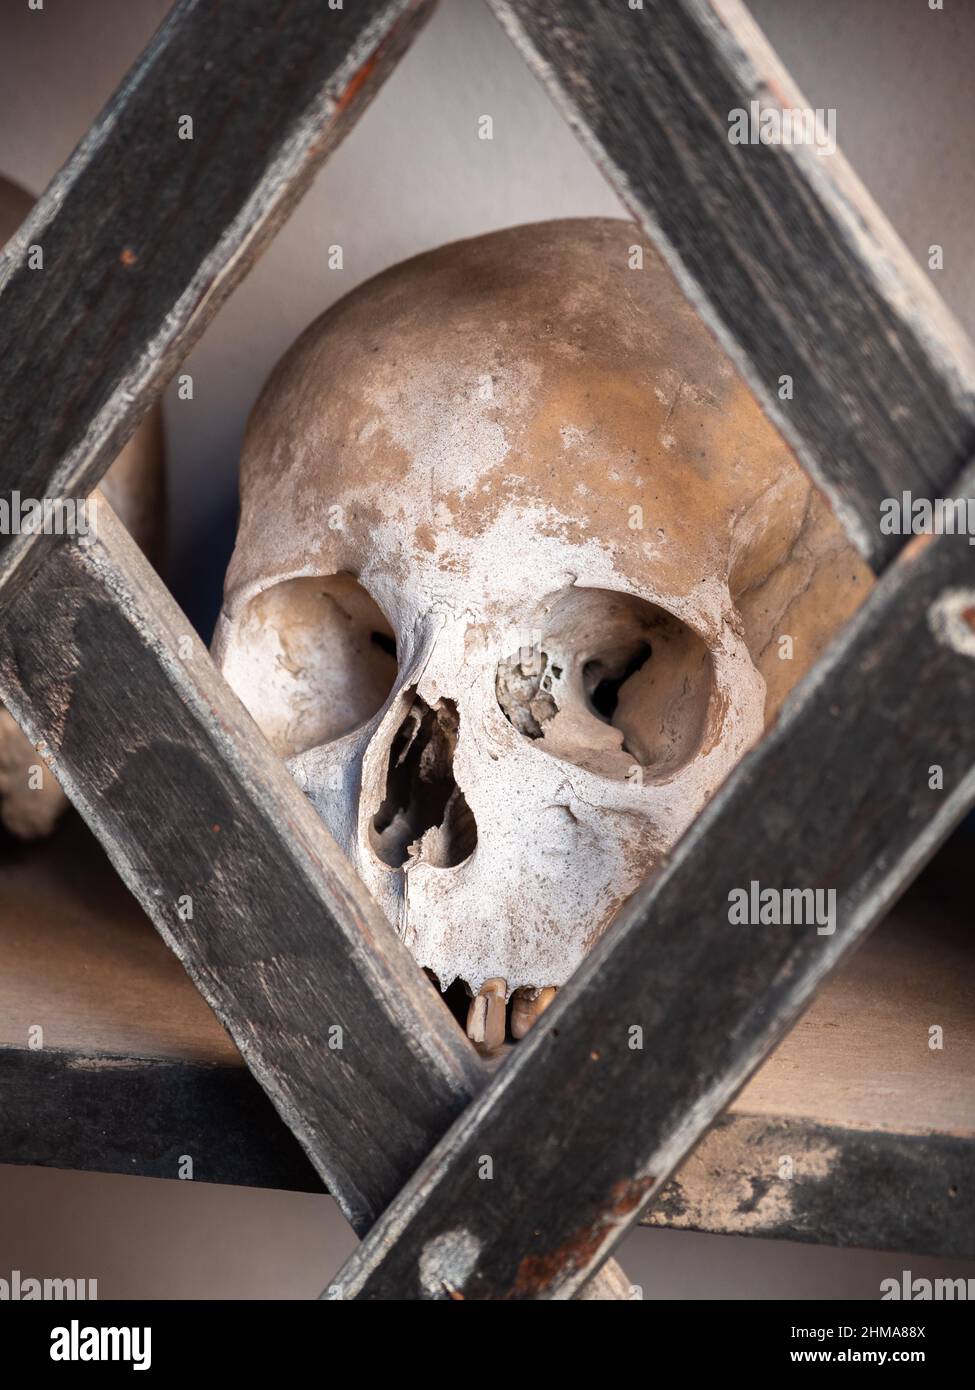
x,y
852,1187
782,250
284,941
140,1116
144,234
581,1129
102,1113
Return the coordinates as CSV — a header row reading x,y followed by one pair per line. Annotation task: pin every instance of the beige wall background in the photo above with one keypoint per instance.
x,y
412,175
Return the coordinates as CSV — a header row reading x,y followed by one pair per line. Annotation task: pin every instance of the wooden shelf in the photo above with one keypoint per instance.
x,y
855,1131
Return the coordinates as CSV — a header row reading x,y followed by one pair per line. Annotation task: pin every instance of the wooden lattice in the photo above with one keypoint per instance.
x,y
796,270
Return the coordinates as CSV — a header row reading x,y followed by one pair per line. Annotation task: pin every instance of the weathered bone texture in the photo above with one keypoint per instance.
x,y
30,799
524,461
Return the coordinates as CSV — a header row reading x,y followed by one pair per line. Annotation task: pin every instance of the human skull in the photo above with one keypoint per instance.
x,y
31,802
516,552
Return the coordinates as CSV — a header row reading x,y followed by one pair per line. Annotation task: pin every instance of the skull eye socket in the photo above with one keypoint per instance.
x,y
611,683
312,659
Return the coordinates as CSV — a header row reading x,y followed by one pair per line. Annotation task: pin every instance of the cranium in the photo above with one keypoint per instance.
x,y
516,552
31,801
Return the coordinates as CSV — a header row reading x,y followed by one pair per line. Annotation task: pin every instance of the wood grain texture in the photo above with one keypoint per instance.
x,y
80,960
782,249
859,1058
837,796
284,942
144,234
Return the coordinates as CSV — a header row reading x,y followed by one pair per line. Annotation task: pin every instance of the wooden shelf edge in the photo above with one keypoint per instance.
x,y
791,1179
145,1116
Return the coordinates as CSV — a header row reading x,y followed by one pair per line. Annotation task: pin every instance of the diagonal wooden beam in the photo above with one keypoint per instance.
x,y
203,822
233,866
871,764
144,233
782,249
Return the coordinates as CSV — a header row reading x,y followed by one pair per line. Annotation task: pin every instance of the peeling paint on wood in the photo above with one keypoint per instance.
x,y
791,1180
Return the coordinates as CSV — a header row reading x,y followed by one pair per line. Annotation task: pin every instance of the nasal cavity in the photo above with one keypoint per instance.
x,y
422,801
